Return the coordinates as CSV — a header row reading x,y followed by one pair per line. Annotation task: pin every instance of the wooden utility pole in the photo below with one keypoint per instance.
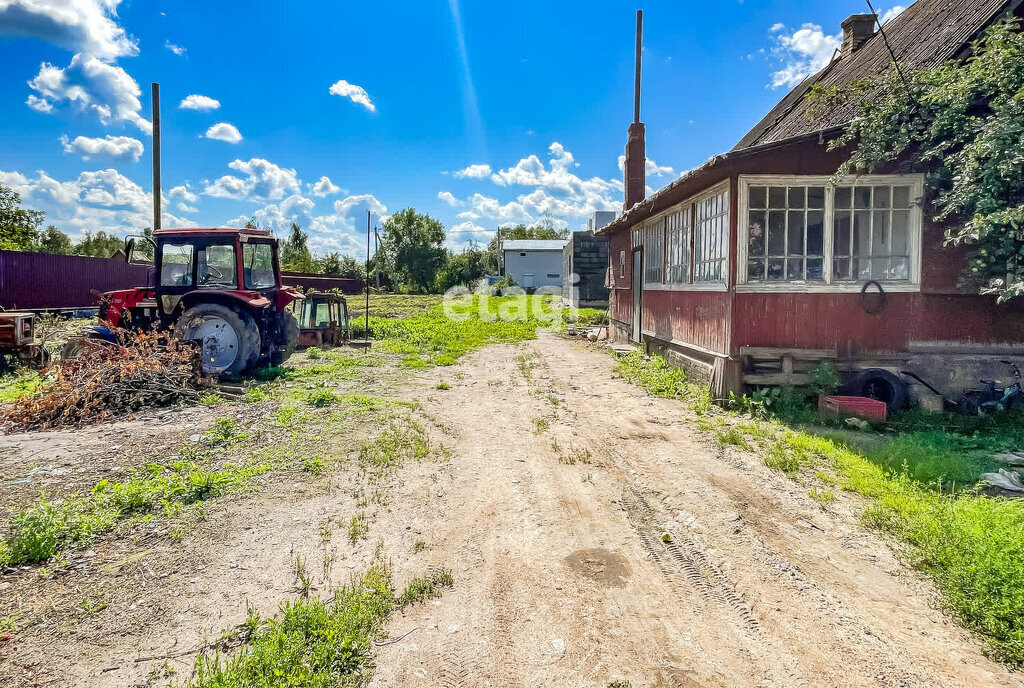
x,y
156,156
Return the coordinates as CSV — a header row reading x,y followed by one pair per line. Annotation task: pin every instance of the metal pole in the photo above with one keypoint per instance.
x,y
376,248
639,48
156,156
367,280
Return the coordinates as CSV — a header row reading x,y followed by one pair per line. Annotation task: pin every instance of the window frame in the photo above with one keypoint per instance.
x,y
827,285
689,206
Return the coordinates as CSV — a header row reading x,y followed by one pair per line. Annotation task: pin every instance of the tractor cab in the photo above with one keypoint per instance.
x,y
323,319
221,287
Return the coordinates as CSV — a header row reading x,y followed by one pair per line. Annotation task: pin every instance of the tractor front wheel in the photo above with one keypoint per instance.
x,y
229,339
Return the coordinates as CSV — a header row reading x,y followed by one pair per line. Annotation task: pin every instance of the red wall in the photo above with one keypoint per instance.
x,y
700,318
944,310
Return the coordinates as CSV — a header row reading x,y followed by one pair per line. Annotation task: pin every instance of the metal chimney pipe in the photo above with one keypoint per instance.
x,y
639,49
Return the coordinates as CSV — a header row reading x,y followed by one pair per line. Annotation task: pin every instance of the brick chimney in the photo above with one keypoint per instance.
x,y
857,29
634,167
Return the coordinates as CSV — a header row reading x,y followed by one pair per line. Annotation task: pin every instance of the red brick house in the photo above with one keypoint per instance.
x,y
752,268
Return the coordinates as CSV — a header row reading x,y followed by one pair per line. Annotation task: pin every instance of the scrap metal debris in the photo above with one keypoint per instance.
x,y
107,381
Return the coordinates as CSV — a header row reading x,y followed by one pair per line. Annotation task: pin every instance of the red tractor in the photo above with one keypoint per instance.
x,y
221,287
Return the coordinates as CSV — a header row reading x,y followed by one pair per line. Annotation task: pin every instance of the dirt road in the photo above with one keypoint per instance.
x,y
563,577
596,538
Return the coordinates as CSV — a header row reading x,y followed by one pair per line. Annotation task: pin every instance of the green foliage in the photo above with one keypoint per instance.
x,y
99,245
425,588
655,375
824,378
19,227
224,431
322,398
51,526
962,120
295,253
444,340
412,249
401,440
357,528
464,269
309,643
52,240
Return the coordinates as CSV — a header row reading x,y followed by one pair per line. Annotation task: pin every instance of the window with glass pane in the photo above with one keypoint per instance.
x,y
176,265
711,234
677,238
786,233
871,233
217,266
654,252
258,266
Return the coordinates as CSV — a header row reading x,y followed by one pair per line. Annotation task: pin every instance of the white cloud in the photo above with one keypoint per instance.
x,y
652,169
345,205
892,13
357,94
802,52
186,208
222,131
90,86
278,217
82,26
474,172
449,198
344,230
95,200
176,49
808,49
557,192
263,181
113,147
198,102
184,193
324,187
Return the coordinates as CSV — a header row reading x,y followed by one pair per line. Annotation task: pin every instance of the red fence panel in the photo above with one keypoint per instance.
x,y
37,281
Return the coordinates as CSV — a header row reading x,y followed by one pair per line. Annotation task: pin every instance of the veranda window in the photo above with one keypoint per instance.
x,y
872,233
711,238
654,252
787,235
677,233
804,232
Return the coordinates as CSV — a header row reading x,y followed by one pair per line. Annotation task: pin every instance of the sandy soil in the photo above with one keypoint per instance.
x,y
562,577
548,495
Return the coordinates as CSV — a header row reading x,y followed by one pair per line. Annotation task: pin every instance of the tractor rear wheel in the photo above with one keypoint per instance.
x,y
288,333
229,339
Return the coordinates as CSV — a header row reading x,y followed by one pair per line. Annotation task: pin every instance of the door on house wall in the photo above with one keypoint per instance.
x,y
527,281
638,285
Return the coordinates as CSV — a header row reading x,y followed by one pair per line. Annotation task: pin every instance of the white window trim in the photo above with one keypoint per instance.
x,y
723,284
914,181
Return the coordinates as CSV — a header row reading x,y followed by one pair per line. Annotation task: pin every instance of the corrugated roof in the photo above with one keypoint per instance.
x,y
534,244
925,34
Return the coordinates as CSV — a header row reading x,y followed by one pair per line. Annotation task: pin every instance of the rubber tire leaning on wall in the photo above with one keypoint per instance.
x,y
876,383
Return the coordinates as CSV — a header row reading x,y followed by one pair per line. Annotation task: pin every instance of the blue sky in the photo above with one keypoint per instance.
x,y
479,113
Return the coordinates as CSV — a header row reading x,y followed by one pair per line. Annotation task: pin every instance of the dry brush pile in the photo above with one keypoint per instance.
x,y
108,381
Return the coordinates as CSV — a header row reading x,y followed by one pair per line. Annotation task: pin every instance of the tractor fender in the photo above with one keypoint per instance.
x,y
252,300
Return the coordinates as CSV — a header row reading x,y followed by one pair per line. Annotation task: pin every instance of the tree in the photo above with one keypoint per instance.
x,y
52,240
295,254
100,245
19,227
412,249
462,268
539,231
962,123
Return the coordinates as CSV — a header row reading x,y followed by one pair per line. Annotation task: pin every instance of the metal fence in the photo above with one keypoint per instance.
x,y
38,281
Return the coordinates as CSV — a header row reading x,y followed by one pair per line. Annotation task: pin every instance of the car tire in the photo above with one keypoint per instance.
x,y
876,383
230,340
288,331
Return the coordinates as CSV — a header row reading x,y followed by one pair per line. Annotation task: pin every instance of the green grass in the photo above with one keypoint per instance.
x,y
403,439
51,526
972,545
431,338
19,386
426,587
309,643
